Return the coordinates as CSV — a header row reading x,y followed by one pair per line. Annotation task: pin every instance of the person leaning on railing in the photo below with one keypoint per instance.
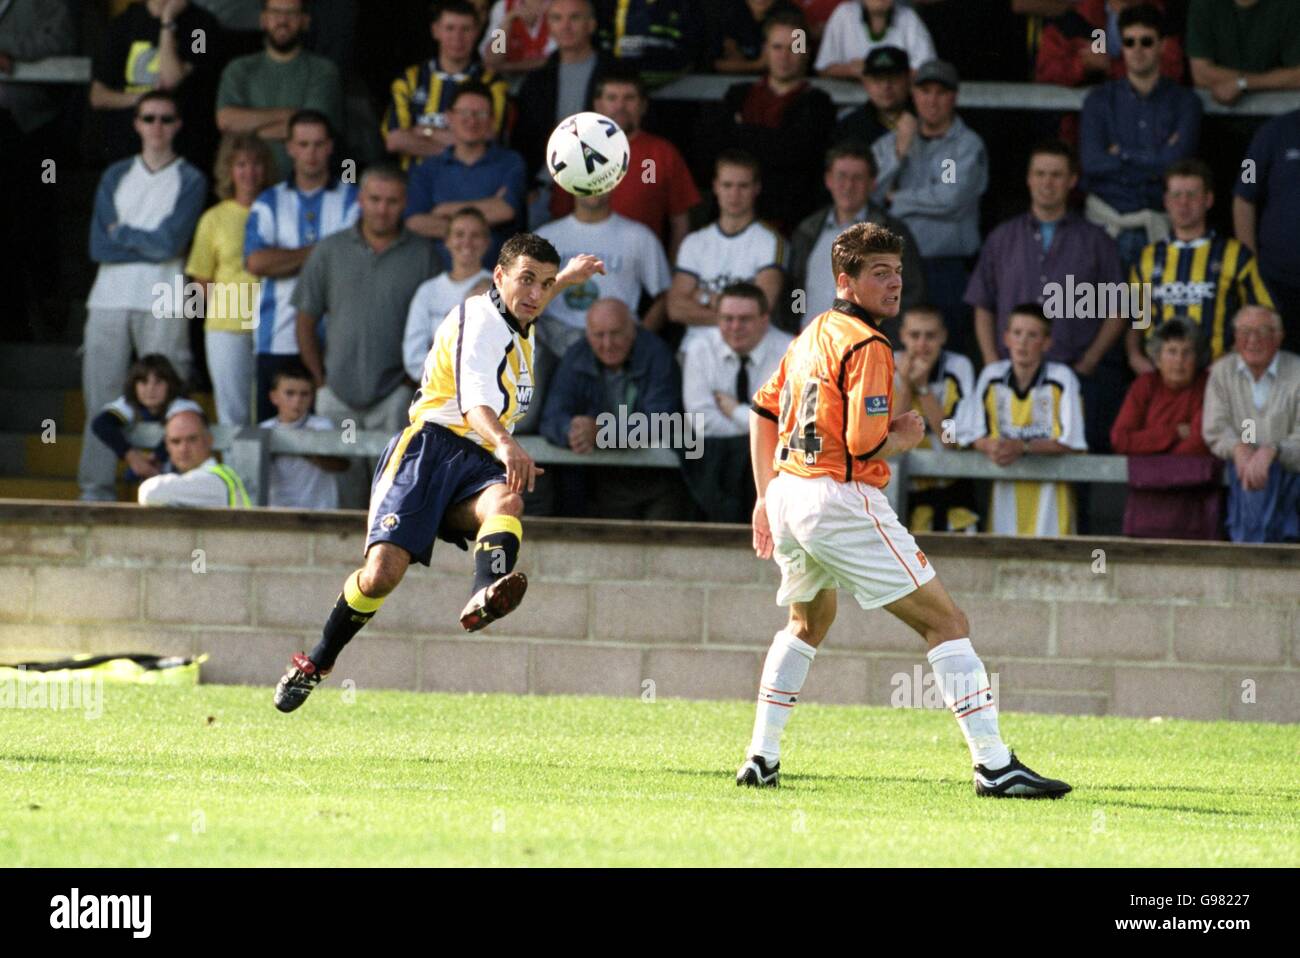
x,y
199,480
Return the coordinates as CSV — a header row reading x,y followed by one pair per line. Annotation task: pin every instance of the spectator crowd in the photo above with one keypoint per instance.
x,y
1107,316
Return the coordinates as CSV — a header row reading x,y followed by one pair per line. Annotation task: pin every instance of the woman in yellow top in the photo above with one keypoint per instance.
x,y
217,259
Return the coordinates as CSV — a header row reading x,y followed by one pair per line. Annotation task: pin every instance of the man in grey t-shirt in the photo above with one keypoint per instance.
x,y
362,280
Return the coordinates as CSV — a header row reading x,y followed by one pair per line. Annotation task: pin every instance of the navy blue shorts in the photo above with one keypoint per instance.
x,y
426,470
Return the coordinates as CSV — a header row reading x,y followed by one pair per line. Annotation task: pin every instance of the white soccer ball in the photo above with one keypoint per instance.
x,y
587,154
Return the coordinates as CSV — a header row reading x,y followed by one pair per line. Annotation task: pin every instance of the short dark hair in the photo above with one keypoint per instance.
x,y
1178,328
313,117
925,309
470,88
1036,311
160,366
737,157
461,8
530,245
292,369
1054,147
166,96
785,16
384,170
851,248
305,4
619,74
473,212
1143,15
855,150
746,290
1191,167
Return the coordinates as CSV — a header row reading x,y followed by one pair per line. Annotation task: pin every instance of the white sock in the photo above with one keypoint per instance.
x,y
967,693
784,671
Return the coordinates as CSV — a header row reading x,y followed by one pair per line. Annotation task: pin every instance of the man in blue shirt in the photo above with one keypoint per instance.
x,y
471,172
1131,131
1265,211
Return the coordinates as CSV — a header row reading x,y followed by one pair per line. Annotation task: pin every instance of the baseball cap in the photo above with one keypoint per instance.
x,y
886,61
937,71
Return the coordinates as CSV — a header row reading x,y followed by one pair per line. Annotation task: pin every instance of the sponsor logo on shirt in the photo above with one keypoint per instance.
x,y
1180,293
877,405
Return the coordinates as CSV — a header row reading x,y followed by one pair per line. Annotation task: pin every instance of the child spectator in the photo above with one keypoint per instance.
x,y
468,238
933,381
152,394
300,482
1026,404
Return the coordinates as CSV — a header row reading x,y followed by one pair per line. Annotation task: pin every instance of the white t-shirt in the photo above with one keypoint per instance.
x,y
845,37
634,261
296,481
143,199
433,300
717,260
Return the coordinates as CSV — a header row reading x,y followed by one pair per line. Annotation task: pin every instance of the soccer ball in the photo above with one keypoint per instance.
x,y
587,154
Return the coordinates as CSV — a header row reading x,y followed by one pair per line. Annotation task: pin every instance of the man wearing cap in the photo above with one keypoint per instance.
x,y
931,175
199,480
887,79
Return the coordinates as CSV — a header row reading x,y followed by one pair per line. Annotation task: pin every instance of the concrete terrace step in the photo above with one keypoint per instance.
x,y
24,454
25,410
40,366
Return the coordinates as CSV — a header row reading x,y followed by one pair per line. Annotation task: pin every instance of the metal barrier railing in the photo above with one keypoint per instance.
x,y
975,94
248,450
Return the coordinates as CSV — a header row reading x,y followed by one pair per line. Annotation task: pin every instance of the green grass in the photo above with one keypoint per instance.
x,y
215,776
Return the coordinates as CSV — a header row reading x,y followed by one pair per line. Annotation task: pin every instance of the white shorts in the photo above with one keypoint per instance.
x,y
829,534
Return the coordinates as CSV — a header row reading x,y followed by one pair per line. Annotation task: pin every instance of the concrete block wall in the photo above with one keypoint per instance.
x,y
1086,626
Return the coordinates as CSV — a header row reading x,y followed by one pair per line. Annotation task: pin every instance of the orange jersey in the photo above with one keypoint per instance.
x,y
831,398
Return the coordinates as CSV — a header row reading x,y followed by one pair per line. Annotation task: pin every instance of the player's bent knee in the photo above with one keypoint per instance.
x,y
383,572
503,502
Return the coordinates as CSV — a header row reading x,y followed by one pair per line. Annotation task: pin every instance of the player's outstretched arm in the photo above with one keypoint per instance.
x,y
578,270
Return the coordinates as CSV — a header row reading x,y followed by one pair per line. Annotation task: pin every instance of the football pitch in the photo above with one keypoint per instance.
x,y
214,776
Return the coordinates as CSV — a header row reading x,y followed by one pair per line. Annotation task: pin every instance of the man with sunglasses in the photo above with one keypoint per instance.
x,y
154,45
1068,54
145,211
1131,131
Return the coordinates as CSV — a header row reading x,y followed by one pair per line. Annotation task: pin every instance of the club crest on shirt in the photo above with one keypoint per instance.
x,y
390,521
877,405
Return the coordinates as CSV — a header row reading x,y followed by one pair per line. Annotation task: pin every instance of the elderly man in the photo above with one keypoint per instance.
x,y
361,280
1252,419
199,480
720,374
627,372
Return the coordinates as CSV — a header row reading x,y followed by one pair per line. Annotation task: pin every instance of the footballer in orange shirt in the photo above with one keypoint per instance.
x,y
821,430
